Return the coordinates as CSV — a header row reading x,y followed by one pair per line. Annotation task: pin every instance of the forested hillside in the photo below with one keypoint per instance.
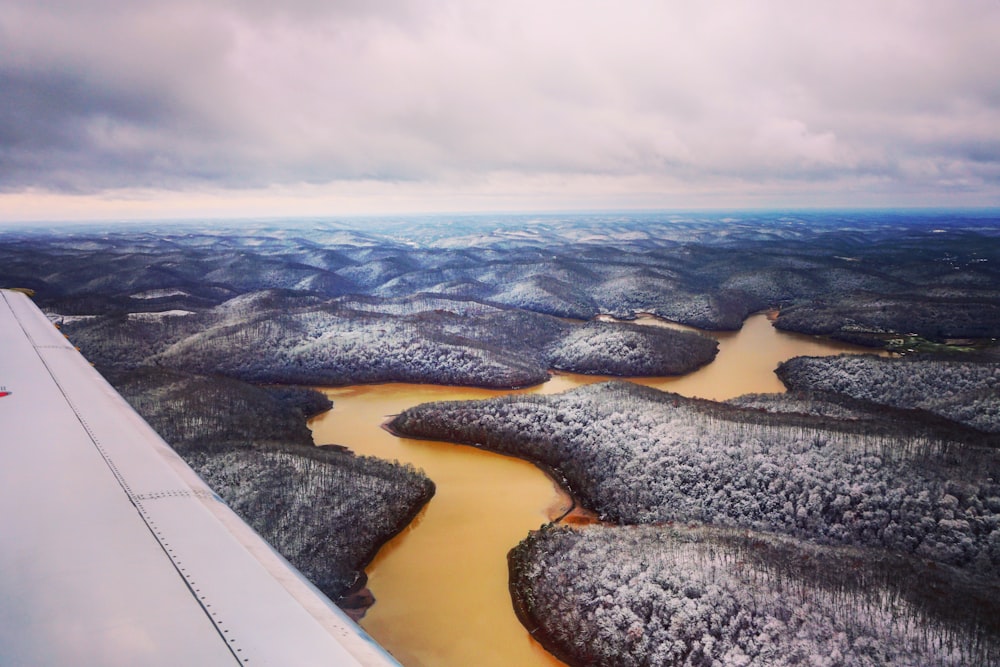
x,y
324,509
861,276
623,597
878,506
637,455
290,337
966,391
877,319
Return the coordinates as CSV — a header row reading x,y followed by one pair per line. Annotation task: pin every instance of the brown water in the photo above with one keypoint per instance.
x,y
441,585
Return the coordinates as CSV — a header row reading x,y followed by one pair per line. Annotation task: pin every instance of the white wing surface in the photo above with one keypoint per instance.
x,y
113,552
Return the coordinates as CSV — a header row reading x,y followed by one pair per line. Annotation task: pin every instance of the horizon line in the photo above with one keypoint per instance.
x,y
333,217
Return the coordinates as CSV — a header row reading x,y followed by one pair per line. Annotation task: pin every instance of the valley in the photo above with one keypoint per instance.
x,y
701,462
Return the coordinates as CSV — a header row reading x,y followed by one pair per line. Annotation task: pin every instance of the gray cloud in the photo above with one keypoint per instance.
x,y
173,95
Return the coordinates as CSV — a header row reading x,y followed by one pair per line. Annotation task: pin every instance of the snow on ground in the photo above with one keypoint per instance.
x,y
159,315
159,294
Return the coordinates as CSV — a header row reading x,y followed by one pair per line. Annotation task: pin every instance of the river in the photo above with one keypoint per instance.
x,y
441,585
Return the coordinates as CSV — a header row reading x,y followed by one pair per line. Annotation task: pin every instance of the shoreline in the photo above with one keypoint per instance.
x,y
359,589
553,371
575,515
528,620
559,481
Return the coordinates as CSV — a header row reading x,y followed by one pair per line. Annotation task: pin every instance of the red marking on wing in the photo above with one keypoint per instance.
x,y
4,393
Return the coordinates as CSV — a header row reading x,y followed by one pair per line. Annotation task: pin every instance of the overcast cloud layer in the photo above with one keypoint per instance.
x,y
465,104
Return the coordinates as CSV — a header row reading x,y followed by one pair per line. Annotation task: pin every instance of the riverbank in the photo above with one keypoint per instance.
x,y
519,593
357,599
558,479
441,585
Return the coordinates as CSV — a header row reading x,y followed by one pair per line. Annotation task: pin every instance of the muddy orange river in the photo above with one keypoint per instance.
x,y
441,585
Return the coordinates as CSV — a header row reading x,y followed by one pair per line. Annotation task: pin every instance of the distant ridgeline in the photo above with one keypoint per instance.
x,y
864,277
855,520
491,301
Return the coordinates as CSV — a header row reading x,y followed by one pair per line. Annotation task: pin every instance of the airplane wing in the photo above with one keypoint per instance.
x,y
112,550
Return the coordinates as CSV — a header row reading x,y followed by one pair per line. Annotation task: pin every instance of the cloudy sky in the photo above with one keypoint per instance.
x,y
176,108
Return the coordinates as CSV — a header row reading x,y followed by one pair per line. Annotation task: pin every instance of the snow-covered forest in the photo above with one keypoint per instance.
x,y
637,455
963,390
864,495
859,276
324,509
302,339
853,521
645,595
